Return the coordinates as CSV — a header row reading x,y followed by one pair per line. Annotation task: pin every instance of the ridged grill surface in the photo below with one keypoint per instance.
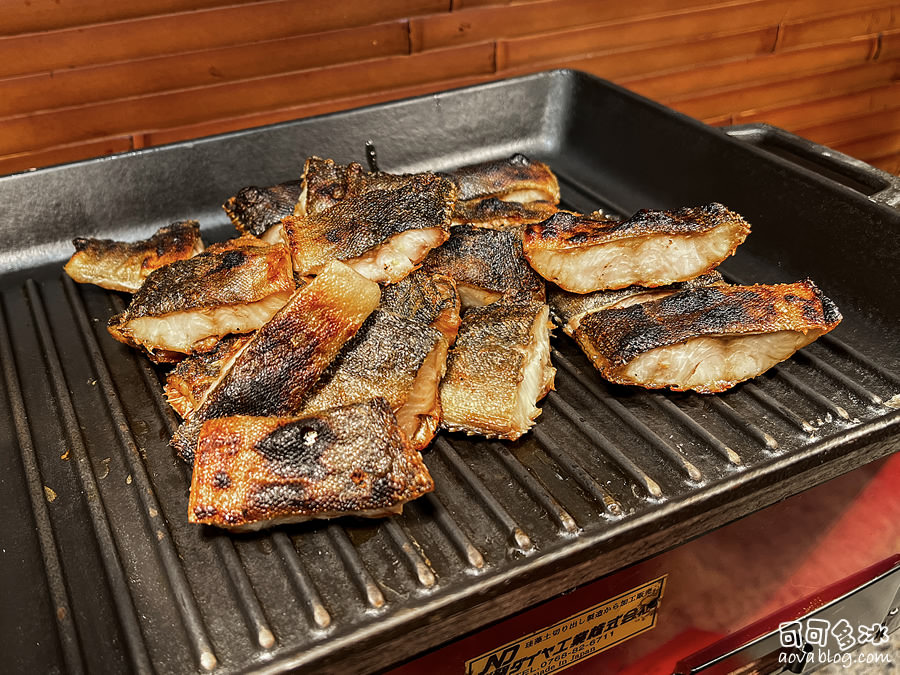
x,y
107,498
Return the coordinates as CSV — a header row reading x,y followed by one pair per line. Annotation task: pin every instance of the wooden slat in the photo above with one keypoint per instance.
x,y
191,106
852,128
817,110
858,22
872,148
193,31
506,22
63,154
622,64
766,67
489,23
220,126
684,26
891,163
41,15
783,91
166,73
890,44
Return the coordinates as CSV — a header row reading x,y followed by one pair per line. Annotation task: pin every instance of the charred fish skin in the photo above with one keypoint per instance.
x,y
280,364
123,266
652,248
244,284
567,308
428,298
516,178
486,265
255,472
381,360
353,230
253,210
186,386
774,321
325,183
498,370
496,214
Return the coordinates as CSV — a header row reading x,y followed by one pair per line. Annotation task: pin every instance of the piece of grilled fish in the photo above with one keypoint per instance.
x,y
325,183
383,232
428,298
496,214
498,370
256,472
567,308
398,359
273,371
185,307
187,384
652,248
707,339
486,266
123,266
514,179
253,210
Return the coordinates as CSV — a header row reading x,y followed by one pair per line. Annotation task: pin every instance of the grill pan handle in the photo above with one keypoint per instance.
x,y
879,186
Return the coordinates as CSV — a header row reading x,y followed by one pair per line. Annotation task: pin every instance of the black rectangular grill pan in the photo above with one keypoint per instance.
x,y
100,570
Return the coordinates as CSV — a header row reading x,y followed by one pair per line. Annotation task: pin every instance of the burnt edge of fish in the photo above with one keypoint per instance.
x,y
428,298
123,266
613,338
489,260
285,357
368,218
253,210
516,176
253,472
496,214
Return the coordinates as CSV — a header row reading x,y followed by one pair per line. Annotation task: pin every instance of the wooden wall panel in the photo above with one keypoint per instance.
x,y
80,78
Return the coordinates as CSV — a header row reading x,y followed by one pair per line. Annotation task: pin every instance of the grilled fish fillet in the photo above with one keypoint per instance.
x,y
325,183
253,210
274,370
256,472
382,232
496,214
121,266
515,179
486,266
652,248
186,386
498,370
427,298
187,306
567,309
706,339
394,358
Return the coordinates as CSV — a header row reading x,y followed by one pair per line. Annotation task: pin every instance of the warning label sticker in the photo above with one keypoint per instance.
x,y
577,638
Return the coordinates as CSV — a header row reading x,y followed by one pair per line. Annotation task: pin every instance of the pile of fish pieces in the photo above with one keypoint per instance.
x,y
319,352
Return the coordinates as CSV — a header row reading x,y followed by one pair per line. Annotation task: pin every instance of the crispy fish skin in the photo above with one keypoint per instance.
x,y
187,305
121,266
403,218
706,339
325,183
253,210
499,368
652,248
186,386
385,359
276,368
256,472
427,298
486,265
567,309
516,178
496,214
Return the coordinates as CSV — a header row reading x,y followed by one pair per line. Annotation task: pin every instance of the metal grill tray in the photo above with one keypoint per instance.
x,y
100,570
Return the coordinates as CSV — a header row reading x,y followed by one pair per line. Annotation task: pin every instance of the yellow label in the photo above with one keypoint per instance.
x,y
577,638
